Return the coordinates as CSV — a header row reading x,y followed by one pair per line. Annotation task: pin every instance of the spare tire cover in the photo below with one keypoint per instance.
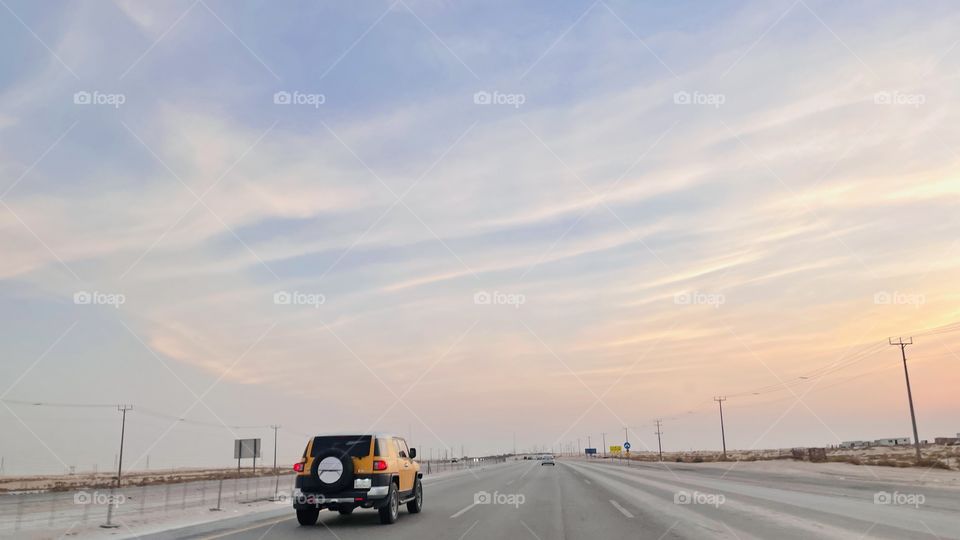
x,y
332,471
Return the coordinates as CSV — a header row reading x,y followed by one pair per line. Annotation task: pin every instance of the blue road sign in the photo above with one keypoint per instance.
x,y
626,445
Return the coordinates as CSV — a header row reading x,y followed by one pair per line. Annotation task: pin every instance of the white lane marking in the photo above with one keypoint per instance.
x,y
470,529
621,509
587,481
463,511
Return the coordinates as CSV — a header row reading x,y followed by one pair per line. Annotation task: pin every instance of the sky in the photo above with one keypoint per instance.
x,y
473,222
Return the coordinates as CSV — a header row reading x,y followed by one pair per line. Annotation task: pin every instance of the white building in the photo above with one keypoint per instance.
x,y
892,442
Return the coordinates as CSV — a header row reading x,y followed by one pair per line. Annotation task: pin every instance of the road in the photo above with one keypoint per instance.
x,y
579,499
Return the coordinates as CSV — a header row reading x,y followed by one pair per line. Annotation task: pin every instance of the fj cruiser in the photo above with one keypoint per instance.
x,y
343,472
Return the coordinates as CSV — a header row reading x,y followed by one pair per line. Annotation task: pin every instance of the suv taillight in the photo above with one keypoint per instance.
x,y
379,465
298,467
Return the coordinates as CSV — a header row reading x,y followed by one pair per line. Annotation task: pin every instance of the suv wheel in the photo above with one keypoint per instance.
x,y
416,504
308,516
391,509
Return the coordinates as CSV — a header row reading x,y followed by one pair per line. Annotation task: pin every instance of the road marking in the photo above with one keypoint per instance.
x,y
470,529
587,481
461,512
621,509
235,531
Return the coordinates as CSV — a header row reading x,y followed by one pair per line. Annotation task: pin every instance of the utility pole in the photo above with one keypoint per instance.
x,y
113,500
589,445
604,435
723,434
659,444
123,428
913,416
578,446
514,443
276,489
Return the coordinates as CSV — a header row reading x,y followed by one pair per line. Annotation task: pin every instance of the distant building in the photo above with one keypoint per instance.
x,y
855,444
947,440
892,442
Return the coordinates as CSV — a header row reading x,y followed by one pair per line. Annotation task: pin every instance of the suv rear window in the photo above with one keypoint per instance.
x,y
353,445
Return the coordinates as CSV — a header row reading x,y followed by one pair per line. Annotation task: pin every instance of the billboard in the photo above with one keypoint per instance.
x,y
246,448
615,449
590,451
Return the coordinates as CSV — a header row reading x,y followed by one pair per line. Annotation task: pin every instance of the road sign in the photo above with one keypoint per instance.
x,y
615,449
626,446
590,451
246,448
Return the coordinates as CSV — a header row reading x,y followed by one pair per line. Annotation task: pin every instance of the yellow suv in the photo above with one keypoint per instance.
x,y
344,472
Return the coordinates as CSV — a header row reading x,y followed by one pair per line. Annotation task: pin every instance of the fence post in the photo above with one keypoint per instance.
x,y
219,494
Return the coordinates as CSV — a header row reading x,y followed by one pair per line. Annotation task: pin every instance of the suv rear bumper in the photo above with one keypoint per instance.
x,y
305,495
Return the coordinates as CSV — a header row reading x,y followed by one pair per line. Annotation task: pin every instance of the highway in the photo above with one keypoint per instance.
x,y
580,499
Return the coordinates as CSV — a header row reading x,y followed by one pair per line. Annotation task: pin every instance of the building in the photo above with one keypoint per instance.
x,y
947,440
896,441
855,444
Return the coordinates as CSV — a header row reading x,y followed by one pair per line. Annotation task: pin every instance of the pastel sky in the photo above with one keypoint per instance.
x,y
663,202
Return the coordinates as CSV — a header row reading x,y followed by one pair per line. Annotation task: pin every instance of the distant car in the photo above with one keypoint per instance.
x,y
343,472
454,460
548,460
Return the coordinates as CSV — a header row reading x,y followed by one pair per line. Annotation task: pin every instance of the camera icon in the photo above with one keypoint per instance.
x,y
482,98
883,98
282,298
481,298
882,497
682,299
882,298
82,98
282,98
81,497
681,98
681,497
82,298
481,497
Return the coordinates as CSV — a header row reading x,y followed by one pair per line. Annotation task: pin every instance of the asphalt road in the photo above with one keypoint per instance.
x,y
593,500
